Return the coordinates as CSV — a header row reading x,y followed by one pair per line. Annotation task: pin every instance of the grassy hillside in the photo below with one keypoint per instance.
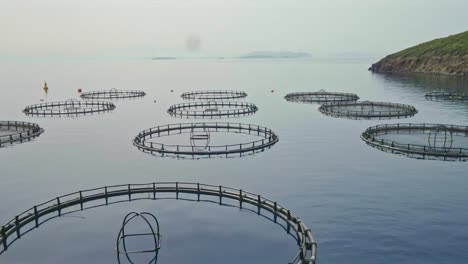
x,y
440,56
455,45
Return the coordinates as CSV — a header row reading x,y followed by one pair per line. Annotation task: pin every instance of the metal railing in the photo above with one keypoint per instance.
x,y
68,108
369,136
187,109
112,94
307,246
321,97
338,109
24,131
214,95
269,138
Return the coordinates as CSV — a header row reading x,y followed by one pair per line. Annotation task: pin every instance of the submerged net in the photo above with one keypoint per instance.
x,y
212,109
447,96
368,110
70,107
18,132
214,95
321,96
427,141
112,94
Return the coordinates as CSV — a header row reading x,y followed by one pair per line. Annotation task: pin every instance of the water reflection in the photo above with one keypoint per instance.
x,y
428,82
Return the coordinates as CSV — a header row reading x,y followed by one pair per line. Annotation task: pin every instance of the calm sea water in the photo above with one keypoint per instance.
x,y
362,205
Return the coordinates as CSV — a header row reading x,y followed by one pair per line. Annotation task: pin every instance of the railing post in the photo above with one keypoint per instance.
x,y
36,216
81,200
129,193
276,209
106,193
258,204
59,206
4,238
220,194
241,197
17,225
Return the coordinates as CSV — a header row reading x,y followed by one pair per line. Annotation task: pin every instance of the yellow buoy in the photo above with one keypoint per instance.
x,y
46,88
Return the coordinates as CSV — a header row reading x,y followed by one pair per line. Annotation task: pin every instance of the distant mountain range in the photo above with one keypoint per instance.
x,y
275,55
440,56
164,58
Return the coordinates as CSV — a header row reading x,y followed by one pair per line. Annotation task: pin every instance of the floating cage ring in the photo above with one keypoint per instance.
x,y
200,137
214,95
112,94
447,96
23,223
367,110
212,109
440,138
439,144
321,96
18,132
153,232
200,140
70,107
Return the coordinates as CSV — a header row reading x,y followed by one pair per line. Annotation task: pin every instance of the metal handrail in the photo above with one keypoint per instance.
x,y
369,136
34,131
213,94
44,109
270,138
243,108
307,246
110,94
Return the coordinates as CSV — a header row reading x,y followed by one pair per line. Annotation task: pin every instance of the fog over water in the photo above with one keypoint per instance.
x,y
148,28
362,205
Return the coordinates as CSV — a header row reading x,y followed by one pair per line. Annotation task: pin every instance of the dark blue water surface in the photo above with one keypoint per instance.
x,y
362,205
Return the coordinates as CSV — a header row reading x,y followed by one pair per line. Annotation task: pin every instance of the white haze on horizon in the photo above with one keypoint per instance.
x,y
148,28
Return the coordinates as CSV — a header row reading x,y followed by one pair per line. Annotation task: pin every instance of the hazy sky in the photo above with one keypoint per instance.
x,y
222,27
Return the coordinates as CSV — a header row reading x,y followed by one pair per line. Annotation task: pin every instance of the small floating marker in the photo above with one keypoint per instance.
x,y
79,90
172,91
46,88
155,101
272,91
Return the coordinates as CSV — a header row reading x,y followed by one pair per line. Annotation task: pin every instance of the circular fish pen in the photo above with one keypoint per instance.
x,y
321,96
212,109
368,110
447,96
112,94
214,95
423,141
200,138
28,220
18,132
70,107
124,235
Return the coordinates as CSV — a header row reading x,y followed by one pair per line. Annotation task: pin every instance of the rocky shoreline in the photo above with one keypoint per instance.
x,y
432,65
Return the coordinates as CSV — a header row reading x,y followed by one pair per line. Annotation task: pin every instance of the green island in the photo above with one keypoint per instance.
x,y
447,55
